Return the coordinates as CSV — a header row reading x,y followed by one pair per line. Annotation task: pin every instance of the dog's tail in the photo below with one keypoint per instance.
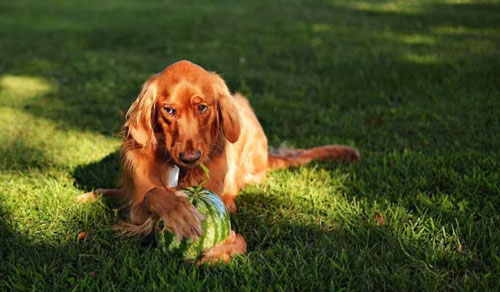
x,y
284,158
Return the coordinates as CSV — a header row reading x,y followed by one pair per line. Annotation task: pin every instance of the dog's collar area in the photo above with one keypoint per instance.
x,y
181,173
172,176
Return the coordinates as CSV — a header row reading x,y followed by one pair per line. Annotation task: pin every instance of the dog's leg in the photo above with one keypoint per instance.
x,y
234,244
92,196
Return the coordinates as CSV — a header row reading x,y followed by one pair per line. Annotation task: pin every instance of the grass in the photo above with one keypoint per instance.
x,y
414,85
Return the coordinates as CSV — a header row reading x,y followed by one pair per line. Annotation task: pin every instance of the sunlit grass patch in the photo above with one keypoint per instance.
x,y
407,7
418,39
458,30
423,59
16,90
31,142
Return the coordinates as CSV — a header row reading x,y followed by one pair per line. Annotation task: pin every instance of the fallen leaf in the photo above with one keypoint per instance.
x,y
93,274
377,121
379,219
82,235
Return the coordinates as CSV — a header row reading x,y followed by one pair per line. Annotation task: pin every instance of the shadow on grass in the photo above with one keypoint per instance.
x,y
18,154
101,174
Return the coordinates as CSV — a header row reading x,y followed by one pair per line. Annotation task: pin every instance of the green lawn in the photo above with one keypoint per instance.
x,y
414,85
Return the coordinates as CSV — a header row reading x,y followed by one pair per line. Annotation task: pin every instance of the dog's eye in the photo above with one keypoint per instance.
x,y
170,111
202,108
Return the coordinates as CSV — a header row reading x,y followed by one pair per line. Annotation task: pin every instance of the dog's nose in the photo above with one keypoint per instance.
x,y
189,157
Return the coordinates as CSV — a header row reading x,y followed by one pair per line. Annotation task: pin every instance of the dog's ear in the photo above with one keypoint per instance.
x,y
141,115
231,124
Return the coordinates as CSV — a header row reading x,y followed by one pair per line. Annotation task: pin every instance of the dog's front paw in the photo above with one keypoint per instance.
x,y
179,215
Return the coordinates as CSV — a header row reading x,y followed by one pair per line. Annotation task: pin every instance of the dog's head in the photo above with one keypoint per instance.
x,y
184,110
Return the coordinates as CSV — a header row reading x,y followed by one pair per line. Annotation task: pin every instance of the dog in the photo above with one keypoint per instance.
x,y
185,116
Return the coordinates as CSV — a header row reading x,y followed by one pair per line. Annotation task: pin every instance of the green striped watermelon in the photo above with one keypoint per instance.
x,y
216,226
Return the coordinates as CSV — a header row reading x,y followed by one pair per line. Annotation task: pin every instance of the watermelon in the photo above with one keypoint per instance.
x,y
216,226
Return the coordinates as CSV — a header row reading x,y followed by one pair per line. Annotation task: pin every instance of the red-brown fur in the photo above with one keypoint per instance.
x,y
228,135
